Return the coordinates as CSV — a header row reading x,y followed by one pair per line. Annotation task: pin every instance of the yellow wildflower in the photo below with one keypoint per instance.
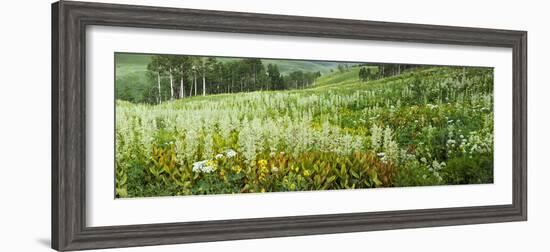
x,y
237,169
262,163
211,163
292,186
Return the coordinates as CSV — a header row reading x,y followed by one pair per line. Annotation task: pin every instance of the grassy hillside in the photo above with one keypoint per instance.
x,y
288,66
429,126
131,71
336,78
131,74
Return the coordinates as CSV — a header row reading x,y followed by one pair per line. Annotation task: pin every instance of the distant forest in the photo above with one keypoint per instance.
x,y
167,77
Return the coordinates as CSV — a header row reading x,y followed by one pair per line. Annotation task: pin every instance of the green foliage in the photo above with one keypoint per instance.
x,y
475,169
363,75
423,126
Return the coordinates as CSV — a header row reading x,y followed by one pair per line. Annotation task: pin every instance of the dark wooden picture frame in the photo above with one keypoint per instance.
x,y
69,22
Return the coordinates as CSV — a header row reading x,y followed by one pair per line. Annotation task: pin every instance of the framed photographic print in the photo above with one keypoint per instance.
x,y
177,125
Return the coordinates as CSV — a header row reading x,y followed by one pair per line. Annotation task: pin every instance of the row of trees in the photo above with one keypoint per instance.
x,y
178,77
367,72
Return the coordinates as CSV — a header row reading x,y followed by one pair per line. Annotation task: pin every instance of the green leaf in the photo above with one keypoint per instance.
x,y
122,192
343,169
354,174
376,181
330,179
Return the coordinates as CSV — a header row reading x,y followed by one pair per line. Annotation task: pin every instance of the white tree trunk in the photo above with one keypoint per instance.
x,y
171,85
191,89
182,88
158,81
203,84
182,91
195,81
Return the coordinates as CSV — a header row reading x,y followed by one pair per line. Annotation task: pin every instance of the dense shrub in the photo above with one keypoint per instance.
x,y
475,169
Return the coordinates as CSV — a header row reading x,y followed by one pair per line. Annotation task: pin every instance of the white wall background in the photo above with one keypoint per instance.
x,y
25,125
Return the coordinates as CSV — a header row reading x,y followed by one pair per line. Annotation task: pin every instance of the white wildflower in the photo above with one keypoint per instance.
x,y
205,166
208,169
199,166
437,166
390,146
208,145
231,153
376,137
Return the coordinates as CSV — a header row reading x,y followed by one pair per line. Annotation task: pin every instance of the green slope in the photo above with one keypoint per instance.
x,y
343,83
338,78
288,66
131,73
131,70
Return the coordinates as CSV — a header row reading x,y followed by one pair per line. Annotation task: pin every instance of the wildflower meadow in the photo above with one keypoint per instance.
x,y
340,126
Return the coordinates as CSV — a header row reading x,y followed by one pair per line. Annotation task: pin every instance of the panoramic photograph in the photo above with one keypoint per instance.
x,y
204,125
